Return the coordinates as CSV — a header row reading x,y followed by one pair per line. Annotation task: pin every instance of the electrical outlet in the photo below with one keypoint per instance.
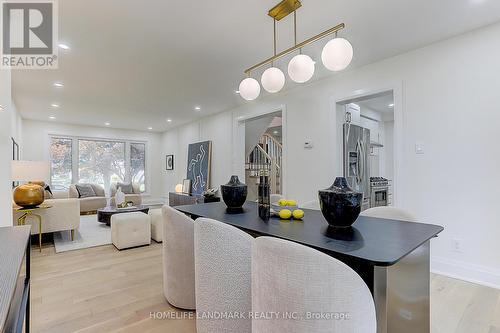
x,y
456,245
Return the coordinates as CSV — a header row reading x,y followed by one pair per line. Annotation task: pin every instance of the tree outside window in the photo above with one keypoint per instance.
x,y
99,162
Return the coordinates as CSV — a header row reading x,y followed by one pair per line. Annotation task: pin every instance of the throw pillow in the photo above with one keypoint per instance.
x,y
126,188
85,190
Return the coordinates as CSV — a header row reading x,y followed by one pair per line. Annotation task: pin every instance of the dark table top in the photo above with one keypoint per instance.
x,y
113,209
379,242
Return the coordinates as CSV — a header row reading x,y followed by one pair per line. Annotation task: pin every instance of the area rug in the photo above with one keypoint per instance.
x,y
90,234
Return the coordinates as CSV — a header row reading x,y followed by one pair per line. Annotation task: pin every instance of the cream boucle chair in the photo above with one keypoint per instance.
x,y
223,263
178,259
313,204
390,213
291,278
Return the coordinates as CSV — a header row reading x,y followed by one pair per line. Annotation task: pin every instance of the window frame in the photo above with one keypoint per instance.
x,y
75,152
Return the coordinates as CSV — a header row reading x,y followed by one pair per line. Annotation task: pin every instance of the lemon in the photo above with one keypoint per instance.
x,y
298,214
292,203
285,214
282,202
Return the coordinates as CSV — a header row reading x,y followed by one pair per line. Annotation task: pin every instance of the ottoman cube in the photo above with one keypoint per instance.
x,y
156,224
130,230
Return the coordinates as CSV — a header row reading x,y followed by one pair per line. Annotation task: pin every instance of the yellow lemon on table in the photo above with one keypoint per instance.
x,y
282,202
292,203
285,214
298,214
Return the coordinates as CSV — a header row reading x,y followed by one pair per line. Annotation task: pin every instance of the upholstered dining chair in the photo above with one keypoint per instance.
x,y
313,204
223,266
274,198
294,280
390,213
178,259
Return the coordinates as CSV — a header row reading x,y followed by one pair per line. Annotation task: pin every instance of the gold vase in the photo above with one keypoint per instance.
x,y
29,195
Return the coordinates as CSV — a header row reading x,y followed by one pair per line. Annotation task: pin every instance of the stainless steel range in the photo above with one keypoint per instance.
x,y
379,191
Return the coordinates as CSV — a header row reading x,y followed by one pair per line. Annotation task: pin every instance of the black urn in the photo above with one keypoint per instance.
x,y
340,205
234,193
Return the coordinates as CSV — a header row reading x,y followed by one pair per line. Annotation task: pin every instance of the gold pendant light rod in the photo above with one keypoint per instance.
x,y
313,39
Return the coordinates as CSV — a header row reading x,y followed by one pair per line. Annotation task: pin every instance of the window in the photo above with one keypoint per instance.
x,y
61,168
97,161
101,162
138,164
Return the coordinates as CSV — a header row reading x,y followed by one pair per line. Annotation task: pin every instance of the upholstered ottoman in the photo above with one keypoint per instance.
x,y
130,230
156,224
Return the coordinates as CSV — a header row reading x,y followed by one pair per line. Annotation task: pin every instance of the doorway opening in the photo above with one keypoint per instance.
x,y
365,127
264,151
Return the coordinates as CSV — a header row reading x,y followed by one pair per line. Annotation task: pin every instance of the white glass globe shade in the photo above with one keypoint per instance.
x,y
337,54
273,79
301,68
249,89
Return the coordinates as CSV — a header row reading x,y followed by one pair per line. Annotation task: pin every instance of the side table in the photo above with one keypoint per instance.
x,y
31,212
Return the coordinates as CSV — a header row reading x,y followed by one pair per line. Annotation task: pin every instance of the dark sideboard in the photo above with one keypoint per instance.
x,y
15,279
180,199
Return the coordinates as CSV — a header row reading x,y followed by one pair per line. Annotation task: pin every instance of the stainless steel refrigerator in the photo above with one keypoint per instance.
x,y
356,160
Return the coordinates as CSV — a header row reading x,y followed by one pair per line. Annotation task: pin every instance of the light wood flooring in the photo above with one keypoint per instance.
x,y
105,290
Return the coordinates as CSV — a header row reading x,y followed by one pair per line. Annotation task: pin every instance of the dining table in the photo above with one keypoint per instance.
x,y
391,256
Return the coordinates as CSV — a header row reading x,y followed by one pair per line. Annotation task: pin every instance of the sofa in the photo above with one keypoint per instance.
x,y
135,197
90,204
64,215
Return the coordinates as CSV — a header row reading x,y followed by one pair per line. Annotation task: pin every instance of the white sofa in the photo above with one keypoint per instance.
x,y
90,204
63,215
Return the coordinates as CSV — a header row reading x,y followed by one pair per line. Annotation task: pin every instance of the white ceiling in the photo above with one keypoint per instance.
x,y
136,63
380,103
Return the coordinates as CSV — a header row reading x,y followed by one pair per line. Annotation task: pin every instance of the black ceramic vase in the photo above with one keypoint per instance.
x,y
234,193
340,205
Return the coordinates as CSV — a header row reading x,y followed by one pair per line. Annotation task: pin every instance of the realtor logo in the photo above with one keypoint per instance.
x,y
29,34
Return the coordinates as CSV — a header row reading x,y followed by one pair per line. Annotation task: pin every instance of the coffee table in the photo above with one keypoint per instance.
x,y
104,214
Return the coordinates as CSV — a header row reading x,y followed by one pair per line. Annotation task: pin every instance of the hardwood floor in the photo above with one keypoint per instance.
x,y
105,290
100,290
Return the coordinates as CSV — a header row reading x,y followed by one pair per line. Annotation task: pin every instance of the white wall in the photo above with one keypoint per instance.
x,y
177,140
448,96
5,149
36,145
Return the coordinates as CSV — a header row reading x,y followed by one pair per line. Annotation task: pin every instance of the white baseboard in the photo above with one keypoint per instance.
x,y
465,271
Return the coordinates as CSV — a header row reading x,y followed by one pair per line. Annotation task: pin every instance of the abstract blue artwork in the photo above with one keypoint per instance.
x,y
198,166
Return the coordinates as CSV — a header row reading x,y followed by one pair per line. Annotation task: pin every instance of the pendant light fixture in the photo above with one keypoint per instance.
x,y
336,56
273,78
301,67
249,89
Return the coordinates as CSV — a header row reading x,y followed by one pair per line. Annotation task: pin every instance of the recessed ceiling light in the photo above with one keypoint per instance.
x,y
64,46
54,105
275,132
169,120
391,105
58,84
107,124
197,108
150,128
52,117
236,91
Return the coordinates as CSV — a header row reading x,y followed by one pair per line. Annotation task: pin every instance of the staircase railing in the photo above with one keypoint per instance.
x,y
267,155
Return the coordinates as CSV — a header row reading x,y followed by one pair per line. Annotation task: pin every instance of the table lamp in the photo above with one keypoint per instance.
x,y
31,194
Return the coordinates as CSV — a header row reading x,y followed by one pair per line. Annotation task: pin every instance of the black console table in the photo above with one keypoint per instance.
x,y
15,248
180,199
